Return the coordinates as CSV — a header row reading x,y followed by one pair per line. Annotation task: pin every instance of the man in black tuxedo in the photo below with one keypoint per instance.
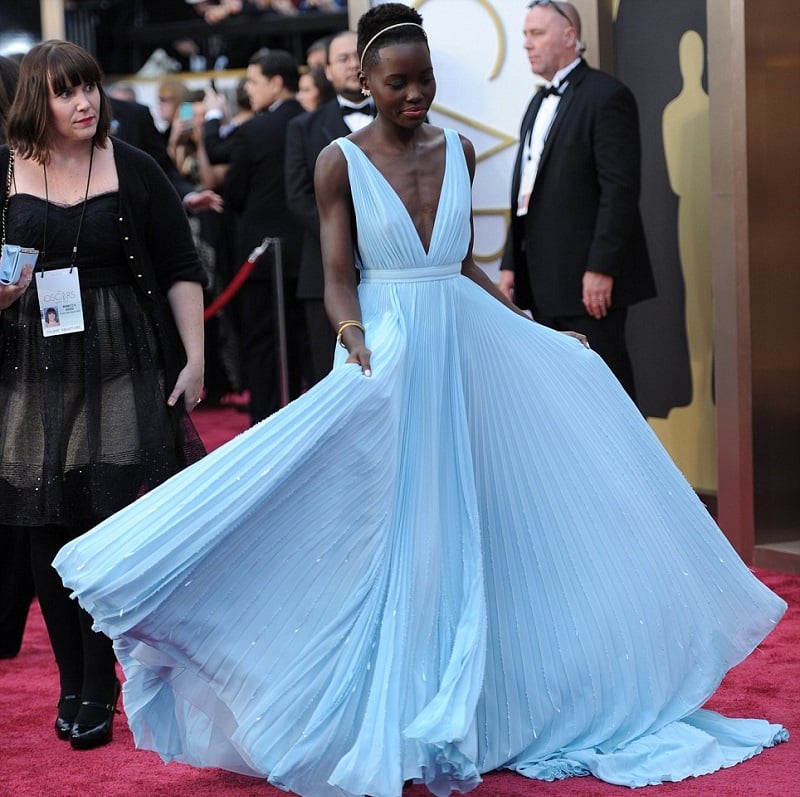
x,y
576,255
308,135
254,189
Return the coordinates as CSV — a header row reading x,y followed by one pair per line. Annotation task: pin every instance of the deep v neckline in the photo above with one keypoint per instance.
x,y
402,204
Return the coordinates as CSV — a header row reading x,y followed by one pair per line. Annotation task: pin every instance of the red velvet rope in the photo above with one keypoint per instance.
x,y
239,279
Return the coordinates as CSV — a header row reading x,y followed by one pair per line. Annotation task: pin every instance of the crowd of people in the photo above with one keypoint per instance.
x,y
215,11
383,580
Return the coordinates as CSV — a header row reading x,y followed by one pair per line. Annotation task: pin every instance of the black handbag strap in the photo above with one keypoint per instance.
x,y
9,176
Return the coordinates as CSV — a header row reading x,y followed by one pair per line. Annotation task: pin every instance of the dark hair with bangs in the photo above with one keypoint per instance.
x,y
47,69
377,20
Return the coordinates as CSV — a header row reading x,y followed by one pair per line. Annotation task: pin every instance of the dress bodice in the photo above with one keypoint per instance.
x,y
387,238
98,243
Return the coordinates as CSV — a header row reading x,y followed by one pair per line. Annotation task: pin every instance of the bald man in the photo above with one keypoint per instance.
x,y
576,255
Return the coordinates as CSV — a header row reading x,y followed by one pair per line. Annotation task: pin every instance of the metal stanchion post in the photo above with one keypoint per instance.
x,y
280,317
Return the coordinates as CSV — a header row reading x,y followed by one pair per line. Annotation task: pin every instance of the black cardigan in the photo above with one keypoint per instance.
x,y
156,239
152,222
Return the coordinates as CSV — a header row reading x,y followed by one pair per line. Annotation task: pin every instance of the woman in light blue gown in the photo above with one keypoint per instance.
x,y
463,550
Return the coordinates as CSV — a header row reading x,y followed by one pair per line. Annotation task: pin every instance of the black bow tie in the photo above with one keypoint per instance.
x,y
550,91
367,108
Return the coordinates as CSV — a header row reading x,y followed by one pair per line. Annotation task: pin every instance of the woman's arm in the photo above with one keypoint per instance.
x,y
162,245
186,302
332,189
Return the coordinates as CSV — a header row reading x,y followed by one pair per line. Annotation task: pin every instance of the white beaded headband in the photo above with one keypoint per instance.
x,y
381,32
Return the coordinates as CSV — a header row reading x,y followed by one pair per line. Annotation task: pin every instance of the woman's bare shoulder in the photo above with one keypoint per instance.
x,y
330,172
331,157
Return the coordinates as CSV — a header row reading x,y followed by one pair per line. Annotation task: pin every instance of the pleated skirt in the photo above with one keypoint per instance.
x,y
478,557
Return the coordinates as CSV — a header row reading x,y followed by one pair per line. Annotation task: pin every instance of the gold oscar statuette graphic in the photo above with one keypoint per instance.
x,y
689,433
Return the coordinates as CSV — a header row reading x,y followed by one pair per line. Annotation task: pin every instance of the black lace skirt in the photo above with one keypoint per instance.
x,y
84,424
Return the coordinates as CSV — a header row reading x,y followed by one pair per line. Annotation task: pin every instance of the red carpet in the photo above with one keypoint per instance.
x,y
33,763
217,426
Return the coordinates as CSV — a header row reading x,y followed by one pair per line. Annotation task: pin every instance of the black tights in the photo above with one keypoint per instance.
x,y
85,658
16,587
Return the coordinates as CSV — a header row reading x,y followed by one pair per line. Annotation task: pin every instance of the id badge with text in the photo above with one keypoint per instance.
x,y
60,304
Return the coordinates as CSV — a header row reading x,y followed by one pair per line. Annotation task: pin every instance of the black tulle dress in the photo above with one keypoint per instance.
x,y
84,425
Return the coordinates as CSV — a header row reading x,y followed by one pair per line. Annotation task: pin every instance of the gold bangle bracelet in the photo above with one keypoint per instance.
x,y
343,326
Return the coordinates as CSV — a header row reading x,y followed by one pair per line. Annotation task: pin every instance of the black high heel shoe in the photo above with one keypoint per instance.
x,y
68,706
88,735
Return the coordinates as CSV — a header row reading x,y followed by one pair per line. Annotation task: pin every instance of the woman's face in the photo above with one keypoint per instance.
x,y
402,83
308,93
167,106
75,112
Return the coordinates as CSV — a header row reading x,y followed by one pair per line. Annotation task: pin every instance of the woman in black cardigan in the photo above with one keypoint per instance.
x,y
92,418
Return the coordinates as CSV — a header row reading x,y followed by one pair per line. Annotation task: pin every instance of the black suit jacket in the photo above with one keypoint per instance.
x,y
255,187
584,208
308,136
218,149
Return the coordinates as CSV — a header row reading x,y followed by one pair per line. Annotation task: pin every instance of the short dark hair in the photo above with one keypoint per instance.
x,y
278,62
53,65
381,17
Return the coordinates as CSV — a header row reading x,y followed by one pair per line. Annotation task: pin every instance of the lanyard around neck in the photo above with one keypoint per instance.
x,y
80,221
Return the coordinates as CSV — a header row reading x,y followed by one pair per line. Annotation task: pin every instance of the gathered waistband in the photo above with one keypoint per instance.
x,y
425,274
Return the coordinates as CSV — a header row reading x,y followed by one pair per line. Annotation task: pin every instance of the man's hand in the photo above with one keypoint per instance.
x,y
506,284
597,289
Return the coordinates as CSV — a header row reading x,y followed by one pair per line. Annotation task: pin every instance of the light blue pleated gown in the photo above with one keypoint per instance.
x,y
479,557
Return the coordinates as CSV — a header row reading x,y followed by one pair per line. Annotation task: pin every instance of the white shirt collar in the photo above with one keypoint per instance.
x,y
365,105
559,76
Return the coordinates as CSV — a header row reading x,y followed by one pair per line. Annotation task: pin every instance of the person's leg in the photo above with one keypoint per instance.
x,y
16,587
58,609
85,658
259,350
606,337
322,338
298,346
94,722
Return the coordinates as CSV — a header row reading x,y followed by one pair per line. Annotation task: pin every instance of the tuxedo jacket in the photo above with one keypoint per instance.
x,y
583,213
254,188
218,149
308,136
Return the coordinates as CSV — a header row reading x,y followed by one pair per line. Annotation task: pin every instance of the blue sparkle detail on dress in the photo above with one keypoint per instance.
x,y
479,557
